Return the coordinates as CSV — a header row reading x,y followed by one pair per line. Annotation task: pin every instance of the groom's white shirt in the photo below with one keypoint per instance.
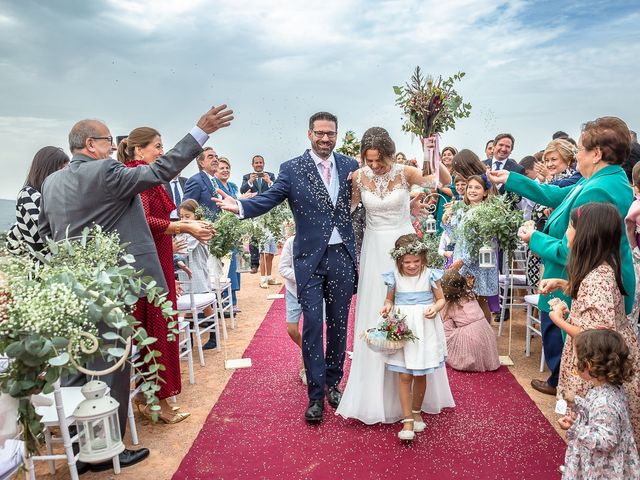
x,y
333,188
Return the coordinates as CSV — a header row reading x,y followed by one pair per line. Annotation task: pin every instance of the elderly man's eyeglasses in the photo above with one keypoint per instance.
x,y
322,134
110,139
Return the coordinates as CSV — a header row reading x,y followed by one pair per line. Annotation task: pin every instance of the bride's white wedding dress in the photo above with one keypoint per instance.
x,y
371,394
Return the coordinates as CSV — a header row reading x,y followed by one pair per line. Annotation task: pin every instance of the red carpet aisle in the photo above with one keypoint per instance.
x,y
257,430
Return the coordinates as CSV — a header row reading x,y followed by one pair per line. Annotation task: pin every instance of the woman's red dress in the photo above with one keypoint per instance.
x,y
157,206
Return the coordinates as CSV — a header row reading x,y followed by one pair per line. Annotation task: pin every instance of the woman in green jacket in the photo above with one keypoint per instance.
x,y
604,144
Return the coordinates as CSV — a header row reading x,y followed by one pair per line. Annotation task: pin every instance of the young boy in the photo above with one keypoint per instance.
x,y
294,310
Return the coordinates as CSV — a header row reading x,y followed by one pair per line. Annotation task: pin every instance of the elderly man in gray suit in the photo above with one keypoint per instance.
x,y
96,189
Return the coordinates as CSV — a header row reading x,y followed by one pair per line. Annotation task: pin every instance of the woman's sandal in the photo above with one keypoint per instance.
x,y
173,418
406,435
418,425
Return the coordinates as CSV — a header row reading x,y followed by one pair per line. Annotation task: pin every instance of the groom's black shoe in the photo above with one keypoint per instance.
x,y
334,396
315,411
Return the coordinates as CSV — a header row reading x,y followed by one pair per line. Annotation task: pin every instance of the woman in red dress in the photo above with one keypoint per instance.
x,y
143,146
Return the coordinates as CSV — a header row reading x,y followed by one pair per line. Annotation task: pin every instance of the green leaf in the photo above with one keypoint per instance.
x,y
147,341
130,299
112,336
60,342
60,360
116,351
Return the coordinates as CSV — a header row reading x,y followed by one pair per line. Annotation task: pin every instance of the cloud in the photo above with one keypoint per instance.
x,y
532,68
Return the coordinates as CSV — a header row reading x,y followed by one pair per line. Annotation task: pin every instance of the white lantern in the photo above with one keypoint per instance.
x,y
487,257
430,224
98,425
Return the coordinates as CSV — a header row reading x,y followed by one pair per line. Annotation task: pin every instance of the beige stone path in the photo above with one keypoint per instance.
x,y
170,443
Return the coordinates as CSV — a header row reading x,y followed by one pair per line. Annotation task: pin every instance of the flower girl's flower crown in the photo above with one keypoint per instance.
x,y
415,248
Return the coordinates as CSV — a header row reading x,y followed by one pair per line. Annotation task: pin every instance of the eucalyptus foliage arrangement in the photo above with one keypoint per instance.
x,y
230,233
492,220
83,287
272,224
430,106
350,144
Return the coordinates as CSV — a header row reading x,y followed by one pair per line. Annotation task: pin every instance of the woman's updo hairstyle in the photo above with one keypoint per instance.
x,y
139,137
611,135
377,138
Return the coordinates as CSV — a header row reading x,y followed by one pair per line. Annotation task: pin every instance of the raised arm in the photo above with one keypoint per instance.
x,y
261,204
548,195
414,176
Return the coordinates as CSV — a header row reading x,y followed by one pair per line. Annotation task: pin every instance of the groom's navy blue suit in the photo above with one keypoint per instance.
x,y
322,271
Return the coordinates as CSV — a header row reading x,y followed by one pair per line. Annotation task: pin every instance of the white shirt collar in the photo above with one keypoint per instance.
x,y
318,160
495,160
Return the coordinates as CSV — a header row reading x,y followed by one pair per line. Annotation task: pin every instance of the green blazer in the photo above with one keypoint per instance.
x,y
609,185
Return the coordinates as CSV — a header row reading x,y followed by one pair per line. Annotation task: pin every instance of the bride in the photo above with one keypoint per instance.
x,y
383,186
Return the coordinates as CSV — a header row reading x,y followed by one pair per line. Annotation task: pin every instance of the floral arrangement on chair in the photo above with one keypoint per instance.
x,y
50,312
390,335
350,144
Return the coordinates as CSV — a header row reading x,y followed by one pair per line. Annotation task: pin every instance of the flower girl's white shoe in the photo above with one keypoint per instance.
x,y
406,435
418,425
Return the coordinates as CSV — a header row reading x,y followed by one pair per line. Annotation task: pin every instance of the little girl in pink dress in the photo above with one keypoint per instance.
x,y
471,343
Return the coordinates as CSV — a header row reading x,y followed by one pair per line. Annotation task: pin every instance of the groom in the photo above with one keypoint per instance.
x,y
317,185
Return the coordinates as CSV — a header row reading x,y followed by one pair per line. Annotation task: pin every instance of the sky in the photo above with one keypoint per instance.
x,y
532,68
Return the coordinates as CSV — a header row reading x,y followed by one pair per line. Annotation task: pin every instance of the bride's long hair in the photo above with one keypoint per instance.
x,y
377,138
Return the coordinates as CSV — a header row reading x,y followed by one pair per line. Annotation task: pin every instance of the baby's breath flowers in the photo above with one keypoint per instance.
x,y
86,285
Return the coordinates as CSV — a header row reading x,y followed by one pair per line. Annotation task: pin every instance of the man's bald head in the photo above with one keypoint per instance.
x,y
92,138
83,130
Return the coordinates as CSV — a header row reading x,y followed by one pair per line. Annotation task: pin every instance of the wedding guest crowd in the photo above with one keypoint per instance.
x,y
577,194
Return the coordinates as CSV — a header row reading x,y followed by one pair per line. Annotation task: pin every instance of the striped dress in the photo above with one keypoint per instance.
x,y
23,235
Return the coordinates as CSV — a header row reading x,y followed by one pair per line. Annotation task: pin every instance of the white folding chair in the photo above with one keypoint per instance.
x,y
514,277
185,346
222,288
59,413
534,327
135,389
195,303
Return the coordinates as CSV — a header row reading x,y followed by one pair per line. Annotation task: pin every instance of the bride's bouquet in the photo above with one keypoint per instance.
x,y
390,335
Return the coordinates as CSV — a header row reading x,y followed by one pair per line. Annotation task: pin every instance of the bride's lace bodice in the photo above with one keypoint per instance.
x,y
385,198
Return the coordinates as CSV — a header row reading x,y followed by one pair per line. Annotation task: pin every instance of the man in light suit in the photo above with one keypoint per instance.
x,y
202,186
258,182
95,189
175,189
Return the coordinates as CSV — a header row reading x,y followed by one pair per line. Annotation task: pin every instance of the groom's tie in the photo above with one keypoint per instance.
x,y
326,171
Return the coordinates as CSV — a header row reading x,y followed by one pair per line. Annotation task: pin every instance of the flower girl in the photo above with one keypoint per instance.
x,y
599,433
414,292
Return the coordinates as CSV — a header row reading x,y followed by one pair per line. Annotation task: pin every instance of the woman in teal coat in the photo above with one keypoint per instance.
x,y
604,144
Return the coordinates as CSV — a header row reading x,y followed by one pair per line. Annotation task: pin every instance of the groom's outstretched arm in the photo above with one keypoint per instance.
x,y
261,204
